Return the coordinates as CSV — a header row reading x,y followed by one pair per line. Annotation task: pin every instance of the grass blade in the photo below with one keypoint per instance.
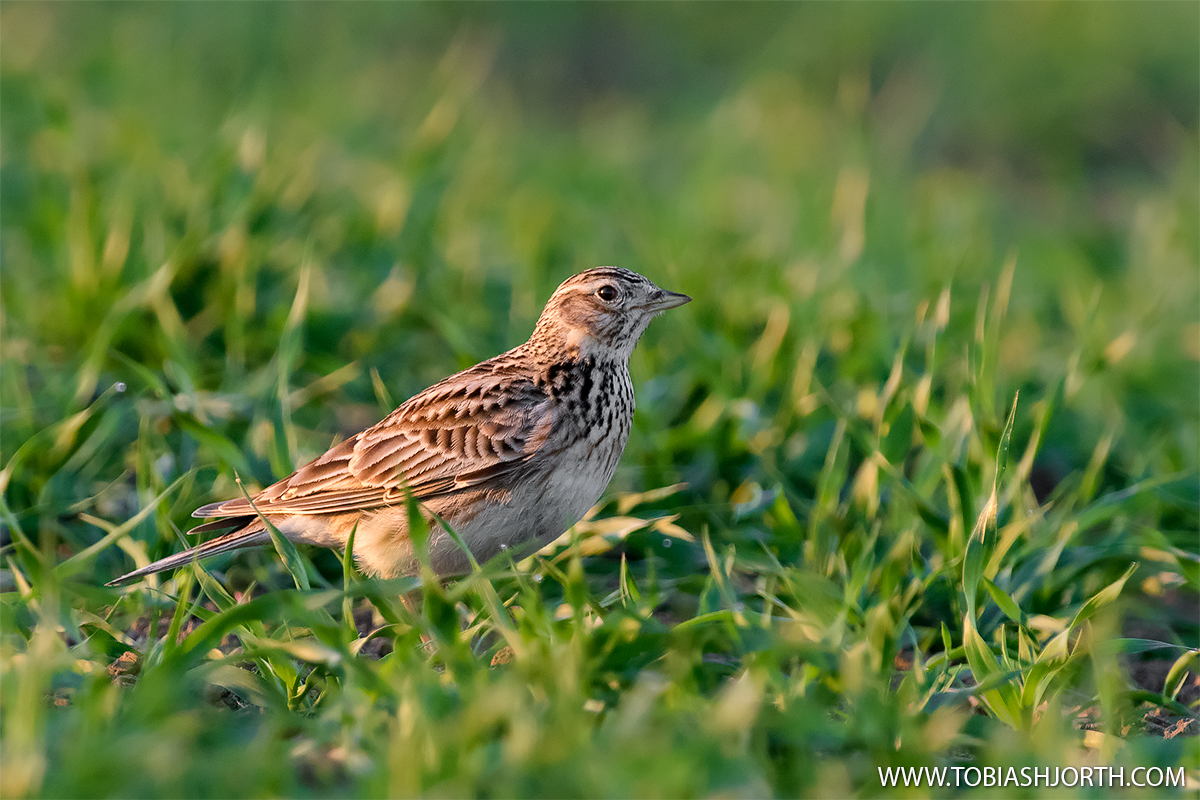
x,y
292,561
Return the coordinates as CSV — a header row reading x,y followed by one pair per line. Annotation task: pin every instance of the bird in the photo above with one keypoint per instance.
x,y
508,453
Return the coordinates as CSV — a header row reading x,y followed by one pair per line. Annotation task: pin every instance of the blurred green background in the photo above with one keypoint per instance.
x,y
233,233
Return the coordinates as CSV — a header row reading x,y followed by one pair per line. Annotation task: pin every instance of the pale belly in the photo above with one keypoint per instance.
x,y
538,511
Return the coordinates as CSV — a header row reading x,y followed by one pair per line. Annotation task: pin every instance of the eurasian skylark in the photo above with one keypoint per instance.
x,y
509,453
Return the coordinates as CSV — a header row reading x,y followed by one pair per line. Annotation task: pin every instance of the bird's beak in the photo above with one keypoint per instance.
x,y
662,300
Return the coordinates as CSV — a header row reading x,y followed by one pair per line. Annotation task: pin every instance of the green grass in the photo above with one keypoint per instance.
x,y
912,482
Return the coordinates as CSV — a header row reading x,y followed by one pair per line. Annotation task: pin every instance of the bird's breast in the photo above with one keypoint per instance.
x,y
592,398
591,428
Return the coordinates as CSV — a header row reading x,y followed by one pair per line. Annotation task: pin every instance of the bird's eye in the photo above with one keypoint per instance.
x,y
607,293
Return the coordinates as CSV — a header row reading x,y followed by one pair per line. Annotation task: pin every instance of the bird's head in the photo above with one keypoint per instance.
x,y
602,312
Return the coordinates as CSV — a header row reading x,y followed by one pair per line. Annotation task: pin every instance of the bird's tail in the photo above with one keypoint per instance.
x,y
249,533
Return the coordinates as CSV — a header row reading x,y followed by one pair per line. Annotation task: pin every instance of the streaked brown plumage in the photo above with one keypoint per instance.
x,y
510,453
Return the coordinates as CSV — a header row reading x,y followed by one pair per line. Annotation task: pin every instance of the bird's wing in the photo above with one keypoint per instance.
x,y
470,430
